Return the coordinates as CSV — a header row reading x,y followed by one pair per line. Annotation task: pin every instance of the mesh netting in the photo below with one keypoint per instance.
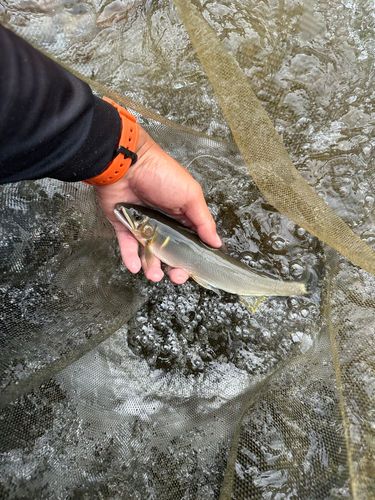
x,y
112,387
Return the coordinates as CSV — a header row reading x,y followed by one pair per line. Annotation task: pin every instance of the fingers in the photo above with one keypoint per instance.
x,y
207,232
177,276
157,180
129,250
154,271
199,214
129,253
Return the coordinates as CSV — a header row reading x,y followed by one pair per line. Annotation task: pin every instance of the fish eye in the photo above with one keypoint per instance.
x,y
137,217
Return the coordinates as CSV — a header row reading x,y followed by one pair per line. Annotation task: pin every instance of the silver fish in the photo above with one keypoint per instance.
x,y
178,246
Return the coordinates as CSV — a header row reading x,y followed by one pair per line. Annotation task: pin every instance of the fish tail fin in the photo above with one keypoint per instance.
x,y
312,283
302,288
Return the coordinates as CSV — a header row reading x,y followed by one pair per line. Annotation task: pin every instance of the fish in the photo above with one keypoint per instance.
x,y
178,246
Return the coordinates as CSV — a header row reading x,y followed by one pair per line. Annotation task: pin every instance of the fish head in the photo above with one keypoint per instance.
x,y
139,224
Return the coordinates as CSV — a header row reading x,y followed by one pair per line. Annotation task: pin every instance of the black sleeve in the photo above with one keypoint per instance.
x,y
51,125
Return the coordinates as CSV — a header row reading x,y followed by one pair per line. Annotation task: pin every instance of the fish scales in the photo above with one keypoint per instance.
x,y
178,246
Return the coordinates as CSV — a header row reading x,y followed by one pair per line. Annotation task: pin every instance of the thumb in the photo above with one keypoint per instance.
x,y
204,224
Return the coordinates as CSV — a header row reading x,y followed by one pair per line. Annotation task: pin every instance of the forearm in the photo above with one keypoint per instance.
x,y
50,123
52,126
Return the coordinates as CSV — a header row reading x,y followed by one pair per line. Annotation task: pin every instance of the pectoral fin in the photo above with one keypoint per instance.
x,y
204,283
149,256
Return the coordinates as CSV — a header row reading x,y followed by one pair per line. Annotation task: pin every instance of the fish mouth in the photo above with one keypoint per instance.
x,y
124,217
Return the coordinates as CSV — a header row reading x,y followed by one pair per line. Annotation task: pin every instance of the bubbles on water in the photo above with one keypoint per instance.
x,y
192,327
296,270
187,327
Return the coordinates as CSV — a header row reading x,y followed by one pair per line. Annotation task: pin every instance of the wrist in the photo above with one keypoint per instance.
x,y
144,141
125,153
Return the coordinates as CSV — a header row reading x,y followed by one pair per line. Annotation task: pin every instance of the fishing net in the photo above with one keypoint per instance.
x,y
113,387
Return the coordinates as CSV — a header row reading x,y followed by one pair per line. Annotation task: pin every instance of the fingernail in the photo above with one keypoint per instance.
x,y
133,266
156,275
179,278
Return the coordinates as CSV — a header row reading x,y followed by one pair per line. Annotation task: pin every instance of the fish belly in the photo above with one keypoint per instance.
x,y
214,270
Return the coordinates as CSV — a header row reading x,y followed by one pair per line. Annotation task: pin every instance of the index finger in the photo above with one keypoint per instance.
x,y
129,250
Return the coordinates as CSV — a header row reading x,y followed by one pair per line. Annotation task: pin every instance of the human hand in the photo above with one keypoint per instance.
x,y
158,181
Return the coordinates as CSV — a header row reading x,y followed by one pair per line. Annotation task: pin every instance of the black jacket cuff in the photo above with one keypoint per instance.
x,y
98,150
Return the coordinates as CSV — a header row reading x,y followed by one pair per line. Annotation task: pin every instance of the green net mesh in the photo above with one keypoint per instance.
x,y
113,387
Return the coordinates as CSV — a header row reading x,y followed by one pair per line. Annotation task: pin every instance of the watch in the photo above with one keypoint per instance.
x,y
124,156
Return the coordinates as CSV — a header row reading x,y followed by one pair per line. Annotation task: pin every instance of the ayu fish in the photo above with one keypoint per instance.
x,y
178,246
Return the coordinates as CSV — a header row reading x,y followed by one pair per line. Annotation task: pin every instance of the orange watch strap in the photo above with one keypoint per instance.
x,y
125,153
